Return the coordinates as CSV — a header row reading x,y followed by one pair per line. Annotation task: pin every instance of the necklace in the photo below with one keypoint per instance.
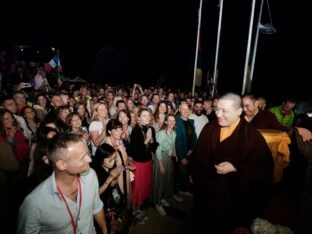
x,y
144,129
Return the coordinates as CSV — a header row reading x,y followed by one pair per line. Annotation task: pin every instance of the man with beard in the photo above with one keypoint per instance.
x,y
199,118
68,200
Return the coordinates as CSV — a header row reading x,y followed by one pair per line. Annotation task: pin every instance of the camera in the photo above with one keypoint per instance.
x,y
27,85
84,129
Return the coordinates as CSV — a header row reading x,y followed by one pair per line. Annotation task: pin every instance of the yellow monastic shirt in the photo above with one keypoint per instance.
x,y
227,131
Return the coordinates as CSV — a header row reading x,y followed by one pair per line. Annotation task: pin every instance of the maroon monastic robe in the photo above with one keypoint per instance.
x,y
223,202
265,120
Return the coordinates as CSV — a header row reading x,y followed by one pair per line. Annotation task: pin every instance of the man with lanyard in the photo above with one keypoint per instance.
x,y
68,200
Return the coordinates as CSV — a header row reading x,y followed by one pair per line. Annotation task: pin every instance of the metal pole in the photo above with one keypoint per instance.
x,y
215,71
197,45
255,49
248,45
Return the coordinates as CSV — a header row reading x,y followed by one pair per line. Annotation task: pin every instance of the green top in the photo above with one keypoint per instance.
x,y
286,120
166,143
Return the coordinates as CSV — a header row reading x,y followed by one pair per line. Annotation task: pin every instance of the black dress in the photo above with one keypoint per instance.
x,y
118,217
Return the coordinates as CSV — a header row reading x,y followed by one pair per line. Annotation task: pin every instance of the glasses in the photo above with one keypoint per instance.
x,y
87,154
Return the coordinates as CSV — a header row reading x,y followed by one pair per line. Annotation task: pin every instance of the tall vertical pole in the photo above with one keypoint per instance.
x,y
254,52
197,45
215,71
59,80
248,45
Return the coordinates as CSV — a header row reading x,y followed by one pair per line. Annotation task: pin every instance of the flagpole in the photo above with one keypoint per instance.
x,y
248,45
197,45
215,71
58,74
254,52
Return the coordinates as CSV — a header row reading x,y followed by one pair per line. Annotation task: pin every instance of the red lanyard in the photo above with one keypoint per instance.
x,y
74,222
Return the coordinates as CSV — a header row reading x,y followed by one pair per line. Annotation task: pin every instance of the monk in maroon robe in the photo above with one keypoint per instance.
x,y
260,119
231,169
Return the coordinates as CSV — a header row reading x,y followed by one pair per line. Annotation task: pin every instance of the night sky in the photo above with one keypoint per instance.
x,y
142,41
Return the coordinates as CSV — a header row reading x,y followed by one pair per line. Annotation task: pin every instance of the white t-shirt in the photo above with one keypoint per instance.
x,y
96,126
199,122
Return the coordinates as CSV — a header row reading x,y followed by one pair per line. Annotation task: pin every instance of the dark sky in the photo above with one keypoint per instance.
x,y
142,41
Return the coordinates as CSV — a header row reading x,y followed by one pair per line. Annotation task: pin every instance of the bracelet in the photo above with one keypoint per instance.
x,y
11,141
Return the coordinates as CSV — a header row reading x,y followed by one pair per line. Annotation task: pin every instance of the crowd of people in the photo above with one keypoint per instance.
x,y
72,154
132,143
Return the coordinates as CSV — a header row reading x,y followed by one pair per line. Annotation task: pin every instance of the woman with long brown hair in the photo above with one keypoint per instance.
x,y
163,166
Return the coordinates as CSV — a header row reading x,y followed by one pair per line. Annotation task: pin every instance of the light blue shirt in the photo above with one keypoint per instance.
x,y
44,211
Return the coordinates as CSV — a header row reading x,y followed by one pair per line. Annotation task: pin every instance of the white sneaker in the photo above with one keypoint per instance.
x,y
160,210
179,199
142,213
163,202
139,219
186,193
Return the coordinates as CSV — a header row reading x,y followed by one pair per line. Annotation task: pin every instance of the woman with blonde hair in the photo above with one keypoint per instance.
x,y
97,128
142,146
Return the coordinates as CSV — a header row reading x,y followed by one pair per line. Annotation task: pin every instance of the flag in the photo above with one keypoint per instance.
x,y
55,62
